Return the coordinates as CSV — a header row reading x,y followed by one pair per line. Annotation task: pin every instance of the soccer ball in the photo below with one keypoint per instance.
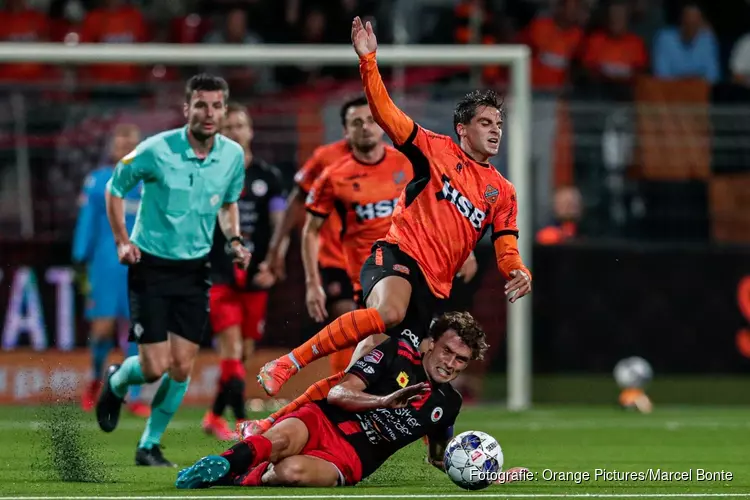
x,y
473,460
633,372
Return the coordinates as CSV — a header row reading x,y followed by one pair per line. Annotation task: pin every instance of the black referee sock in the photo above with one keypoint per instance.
x,y
235,397
220,403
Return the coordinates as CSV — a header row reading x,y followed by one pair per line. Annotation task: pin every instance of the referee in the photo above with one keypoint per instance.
x,y
189,175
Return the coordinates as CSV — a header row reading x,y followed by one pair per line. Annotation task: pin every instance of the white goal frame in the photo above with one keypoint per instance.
x,y
518,127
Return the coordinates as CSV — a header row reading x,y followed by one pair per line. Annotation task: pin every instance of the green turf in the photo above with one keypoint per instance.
x,y
580,439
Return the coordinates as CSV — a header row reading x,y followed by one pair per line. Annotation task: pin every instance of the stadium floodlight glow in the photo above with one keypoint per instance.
x,y
518,130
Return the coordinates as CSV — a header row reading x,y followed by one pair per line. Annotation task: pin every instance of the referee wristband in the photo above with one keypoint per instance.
x,y
228,247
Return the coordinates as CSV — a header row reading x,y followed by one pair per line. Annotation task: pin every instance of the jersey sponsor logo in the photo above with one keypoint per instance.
x,y
369,370
374,356
402,379
259,187
400,268
436,414
128,158
465,207
375,210
412,337
361,364
491,194
399,177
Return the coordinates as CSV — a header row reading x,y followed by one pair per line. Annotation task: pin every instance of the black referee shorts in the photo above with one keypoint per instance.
x,y
168,296
387,259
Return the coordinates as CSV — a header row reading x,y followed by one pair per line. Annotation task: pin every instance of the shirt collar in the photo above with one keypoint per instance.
x,y
189,152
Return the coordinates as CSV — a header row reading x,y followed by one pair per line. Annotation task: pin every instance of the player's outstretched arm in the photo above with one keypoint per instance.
x,y
392,120
350,396
315,297
505,239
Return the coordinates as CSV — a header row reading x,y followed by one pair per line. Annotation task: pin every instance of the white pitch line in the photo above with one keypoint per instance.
x,y
386,496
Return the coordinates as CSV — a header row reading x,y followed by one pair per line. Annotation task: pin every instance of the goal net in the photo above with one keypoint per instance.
x,y
54,133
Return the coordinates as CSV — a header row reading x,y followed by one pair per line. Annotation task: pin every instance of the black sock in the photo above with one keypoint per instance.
x,y
235,397
221,400
240,457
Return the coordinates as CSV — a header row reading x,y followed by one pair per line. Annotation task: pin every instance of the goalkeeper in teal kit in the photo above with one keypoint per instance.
x,y
190,175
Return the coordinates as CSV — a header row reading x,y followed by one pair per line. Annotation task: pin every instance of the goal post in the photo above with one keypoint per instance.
x,y
517,131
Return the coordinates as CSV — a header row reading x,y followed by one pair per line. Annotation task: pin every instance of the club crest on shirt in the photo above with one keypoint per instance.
x,y
402,380
436,414
259,187
399,177
491,194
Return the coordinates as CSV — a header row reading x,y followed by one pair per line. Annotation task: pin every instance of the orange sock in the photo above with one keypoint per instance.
x,y
340,359
319,390
345,331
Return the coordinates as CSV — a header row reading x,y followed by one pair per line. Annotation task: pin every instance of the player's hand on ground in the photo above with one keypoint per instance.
x,y
264,278
128,253
315,299
363,37
241,255
406,396
469,269
518,286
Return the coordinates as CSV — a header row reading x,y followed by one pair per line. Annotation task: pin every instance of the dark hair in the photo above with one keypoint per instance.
x,y
352,103
466,109
467,329
205,82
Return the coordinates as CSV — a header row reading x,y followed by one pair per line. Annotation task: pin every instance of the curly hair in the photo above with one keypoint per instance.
x,y
466,108
467,329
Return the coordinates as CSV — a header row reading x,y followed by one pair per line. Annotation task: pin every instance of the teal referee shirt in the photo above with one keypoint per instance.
x,y
181,193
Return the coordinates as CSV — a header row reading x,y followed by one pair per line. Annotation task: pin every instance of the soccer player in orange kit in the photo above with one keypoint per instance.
x,y
456,195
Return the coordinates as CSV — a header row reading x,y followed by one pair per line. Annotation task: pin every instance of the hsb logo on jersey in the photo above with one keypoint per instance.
x,y
376,210
462,203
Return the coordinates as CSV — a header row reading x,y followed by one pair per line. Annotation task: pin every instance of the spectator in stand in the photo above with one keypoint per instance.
x,y
739,61
687,51
554,41
568,207
114,22
235,31
615,54
21,24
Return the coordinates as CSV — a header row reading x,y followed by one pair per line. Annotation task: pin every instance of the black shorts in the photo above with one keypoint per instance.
x,y
387,259
168,296
336,284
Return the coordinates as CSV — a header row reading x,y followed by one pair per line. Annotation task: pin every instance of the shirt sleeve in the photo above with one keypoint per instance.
x,y
376,364
238,181
322,196
276,192
394,122
306,176
138,165
505,234
504,220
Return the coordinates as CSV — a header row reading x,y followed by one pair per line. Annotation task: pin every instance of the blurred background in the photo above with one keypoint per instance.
x,y
640,168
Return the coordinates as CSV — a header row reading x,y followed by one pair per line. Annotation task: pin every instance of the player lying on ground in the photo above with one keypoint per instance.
x,y
238,299
455,197
104,281
389,399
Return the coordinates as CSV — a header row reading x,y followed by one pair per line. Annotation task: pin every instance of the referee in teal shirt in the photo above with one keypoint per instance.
x,y
190,175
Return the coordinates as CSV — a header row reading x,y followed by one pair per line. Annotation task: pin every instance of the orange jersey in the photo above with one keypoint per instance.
x,y
121,25
24,26
365,196
331,253
451,201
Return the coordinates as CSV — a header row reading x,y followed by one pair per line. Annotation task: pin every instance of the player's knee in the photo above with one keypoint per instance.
x,y
293,472
180,369
153,368
391,314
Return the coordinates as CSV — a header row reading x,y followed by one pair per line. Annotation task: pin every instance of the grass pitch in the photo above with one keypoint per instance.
x,y
560,445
